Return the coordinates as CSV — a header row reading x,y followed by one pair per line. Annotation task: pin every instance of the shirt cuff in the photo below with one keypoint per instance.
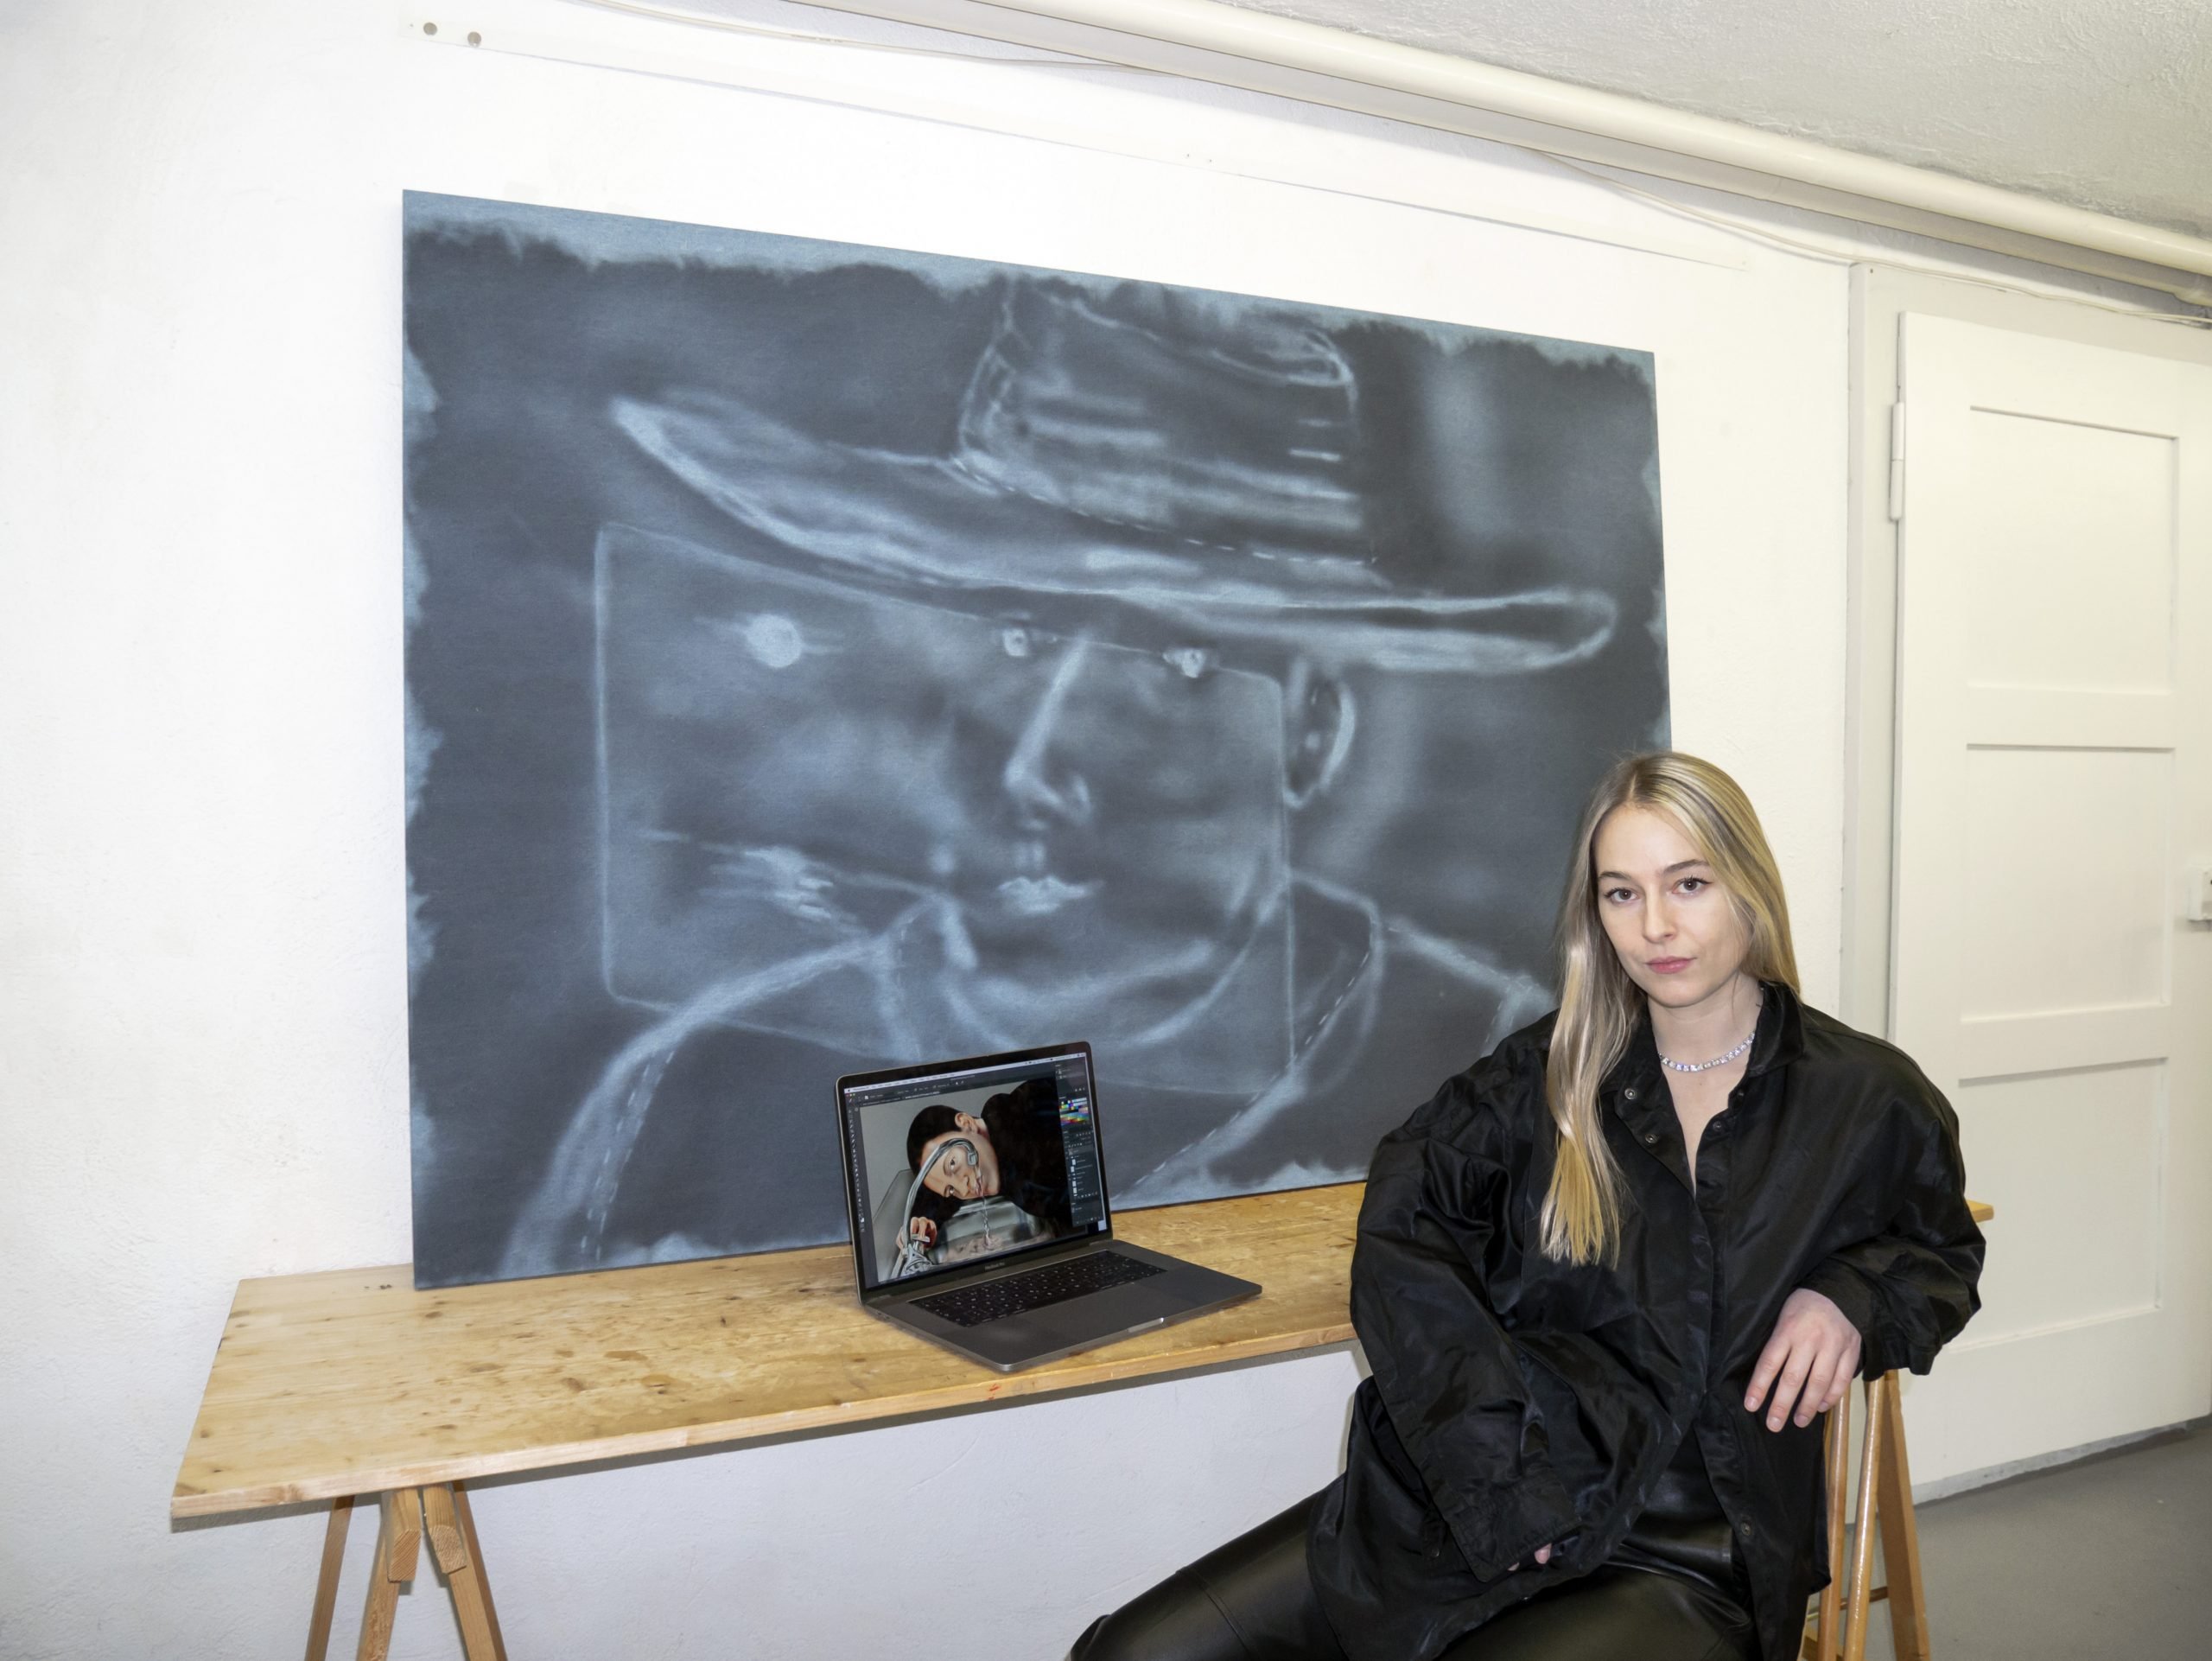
x,y
1501,1526
1846,1288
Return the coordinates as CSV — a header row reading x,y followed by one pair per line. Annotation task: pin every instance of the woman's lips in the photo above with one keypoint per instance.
x,y
1667,965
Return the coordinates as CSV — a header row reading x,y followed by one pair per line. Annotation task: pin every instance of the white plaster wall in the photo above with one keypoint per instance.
x,y
202,1014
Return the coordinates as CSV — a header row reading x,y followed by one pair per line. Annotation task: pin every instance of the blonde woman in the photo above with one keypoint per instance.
x,y
1606,1282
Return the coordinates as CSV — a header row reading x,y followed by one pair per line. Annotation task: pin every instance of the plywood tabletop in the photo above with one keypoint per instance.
x,y
353,1381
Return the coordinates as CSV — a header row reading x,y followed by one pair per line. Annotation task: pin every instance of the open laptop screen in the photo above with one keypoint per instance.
x,y
953,1164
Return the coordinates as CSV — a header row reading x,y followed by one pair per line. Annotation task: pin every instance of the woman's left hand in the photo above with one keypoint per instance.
x,y
1808,1362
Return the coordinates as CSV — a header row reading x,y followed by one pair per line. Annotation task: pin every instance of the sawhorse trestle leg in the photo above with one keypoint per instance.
x,y
406,1516
1885,1502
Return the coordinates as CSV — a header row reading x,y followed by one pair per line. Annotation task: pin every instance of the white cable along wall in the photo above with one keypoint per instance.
x,y
1206,41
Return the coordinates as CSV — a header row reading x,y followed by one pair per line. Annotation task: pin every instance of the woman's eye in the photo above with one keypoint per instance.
x,y
1692,884
1618,895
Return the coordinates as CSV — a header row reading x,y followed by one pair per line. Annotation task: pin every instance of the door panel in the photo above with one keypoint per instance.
x,y
2065,878
2038,618
2079,1237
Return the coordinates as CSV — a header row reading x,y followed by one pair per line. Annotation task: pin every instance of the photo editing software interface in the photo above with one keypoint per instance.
x,y
954,1168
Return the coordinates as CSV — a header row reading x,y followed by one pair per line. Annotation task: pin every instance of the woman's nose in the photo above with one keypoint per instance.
x,y
1658,921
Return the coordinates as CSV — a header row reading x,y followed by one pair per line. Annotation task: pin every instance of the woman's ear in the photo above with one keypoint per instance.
x,y
968,1121
1318,721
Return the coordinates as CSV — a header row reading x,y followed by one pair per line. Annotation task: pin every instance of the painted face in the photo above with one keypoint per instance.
x,y
1671,923
969,1167
1063,832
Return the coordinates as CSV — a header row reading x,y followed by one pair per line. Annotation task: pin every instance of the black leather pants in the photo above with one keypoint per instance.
x,y
1671,1592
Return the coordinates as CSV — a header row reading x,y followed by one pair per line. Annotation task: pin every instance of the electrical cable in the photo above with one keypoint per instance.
x,y
1827,256
1721,222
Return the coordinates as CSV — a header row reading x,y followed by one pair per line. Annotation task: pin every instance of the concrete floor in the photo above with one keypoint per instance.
x,y
2109,1558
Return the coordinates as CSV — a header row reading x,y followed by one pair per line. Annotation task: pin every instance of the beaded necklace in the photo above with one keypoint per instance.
x,y
1717,1061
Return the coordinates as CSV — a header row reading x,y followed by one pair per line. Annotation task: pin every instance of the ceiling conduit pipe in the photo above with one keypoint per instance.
x,y
1204,40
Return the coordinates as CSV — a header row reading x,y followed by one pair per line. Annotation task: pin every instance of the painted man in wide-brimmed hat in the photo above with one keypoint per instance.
x,y
946,753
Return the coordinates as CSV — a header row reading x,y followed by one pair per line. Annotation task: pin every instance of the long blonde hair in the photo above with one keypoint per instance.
x,y
1600,1006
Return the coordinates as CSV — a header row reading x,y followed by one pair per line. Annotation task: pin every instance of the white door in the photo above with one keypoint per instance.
x,y
2054,784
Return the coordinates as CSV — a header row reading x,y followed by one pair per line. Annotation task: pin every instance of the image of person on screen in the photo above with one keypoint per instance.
x,y
1014,1150
1141,713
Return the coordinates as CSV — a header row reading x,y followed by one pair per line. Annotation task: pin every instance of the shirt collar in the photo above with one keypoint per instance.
x,y
1777,1040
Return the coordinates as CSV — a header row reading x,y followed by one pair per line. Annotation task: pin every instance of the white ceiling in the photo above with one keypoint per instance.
x,y
2103,104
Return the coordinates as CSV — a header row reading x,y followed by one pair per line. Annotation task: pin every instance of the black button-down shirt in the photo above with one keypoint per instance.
x,y
1516,1402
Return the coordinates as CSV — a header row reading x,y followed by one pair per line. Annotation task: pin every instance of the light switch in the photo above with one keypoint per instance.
x,y
2196,899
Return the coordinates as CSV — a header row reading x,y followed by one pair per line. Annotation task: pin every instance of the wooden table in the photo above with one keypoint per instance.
x,y
335,1385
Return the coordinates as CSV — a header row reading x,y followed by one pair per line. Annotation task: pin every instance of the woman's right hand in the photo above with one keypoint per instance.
x,y
922,1232
1543,1557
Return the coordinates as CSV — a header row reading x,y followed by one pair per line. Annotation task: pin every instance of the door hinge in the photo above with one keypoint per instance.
x,y
1896,461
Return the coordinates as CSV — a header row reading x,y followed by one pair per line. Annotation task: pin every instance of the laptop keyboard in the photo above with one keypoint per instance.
x,y
973,1306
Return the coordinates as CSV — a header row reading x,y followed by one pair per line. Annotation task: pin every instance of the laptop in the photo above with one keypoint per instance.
x,y
977,1192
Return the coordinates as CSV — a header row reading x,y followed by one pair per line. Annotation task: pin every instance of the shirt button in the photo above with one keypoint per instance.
x,y
1629,1095
1651,1138
1743,1528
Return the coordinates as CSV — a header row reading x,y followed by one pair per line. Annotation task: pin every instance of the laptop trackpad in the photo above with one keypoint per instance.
x,y
1115,1309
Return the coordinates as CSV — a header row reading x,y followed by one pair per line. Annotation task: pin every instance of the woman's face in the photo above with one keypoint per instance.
x,y
1673,926
970,1169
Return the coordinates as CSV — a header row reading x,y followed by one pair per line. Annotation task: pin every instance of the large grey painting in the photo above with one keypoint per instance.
x,y
823,657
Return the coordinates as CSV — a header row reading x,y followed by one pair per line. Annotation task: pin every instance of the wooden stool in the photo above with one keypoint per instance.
x,y
440,1510
1839,1633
